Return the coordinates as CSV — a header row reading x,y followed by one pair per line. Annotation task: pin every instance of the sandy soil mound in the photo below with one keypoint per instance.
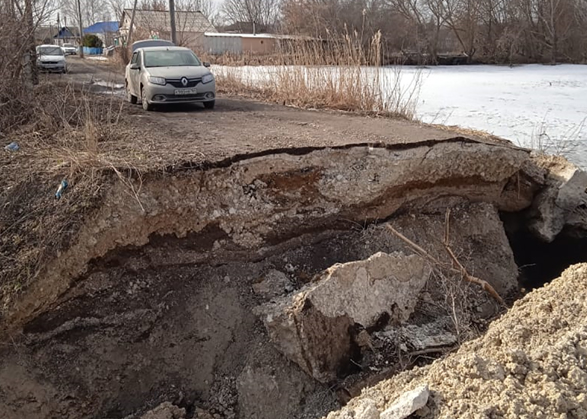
x,y
532,363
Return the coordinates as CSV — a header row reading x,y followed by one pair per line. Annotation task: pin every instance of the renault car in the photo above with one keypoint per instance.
x,y
166,75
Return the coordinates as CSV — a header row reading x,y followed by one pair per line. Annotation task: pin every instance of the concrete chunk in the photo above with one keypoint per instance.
x,y
314,326
407,404
561,202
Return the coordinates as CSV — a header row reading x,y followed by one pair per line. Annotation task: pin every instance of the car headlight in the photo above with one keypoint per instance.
x,y
157,80
207,78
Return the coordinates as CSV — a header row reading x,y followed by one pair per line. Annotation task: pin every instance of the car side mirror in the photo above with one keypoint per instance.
x,y
135,66
207,65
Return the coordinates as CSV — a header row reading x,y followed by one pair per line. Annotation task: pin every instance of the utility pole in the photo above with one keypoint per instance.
x,y
81,30
132,23
172,21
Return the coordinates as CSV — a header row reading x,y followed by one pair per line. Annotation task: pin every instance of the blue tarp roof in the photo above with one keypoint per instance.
x,y
102,27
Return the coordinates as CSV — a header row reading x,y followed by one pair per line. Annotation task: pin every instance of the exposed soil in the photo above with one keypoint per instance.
x,y
142,328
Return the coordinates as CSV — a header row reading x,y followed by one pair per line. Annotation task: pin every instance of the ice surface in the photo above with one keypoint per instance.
x,y
534,105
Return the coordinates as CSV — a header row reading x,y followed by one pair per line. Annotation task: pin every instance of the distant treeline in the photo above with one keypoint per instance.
x,y
429,31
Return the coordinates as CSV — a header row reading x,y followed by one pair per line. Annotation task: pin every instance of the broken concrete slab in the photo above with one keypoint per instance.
x,y
253,202
562,202
314,327
477,236
407,404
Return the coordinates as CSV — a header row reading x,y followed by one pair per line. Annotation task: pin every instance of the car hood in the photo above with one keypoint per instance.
x,y
51,58
178,72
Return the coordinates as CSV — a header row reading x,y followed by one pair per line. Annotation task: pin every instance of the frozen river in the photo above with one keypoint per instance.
x,y
530,105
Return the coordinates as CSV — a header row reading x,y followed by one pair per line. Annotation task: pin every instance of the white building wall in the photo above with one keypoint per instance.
x,y
219,45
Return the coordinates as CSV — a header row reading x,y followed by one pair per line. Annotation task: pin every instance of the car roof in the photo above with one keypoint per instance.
x,y
153,42
48,45
169,48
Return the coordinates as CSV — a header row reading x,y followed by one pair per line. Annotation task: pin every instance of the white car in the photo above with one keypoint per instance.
x,y
166,74
51,58
70,49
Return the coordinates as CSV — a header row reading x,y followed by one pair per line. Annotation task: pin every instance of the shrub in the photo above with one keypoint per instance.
x,y
92,41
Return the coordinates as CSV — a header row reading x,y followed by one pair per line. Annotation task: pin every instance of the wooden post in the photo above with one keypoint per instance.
x,y
172,21
81,30
132,23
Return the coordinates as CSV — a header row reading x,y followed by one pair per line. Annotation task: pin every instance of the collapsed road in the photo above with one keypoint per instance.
x,y
247,269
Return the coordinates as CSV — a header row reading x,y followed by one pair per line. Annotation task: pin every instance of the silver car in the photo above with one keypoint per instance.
x,y
51,58
166,75
69,49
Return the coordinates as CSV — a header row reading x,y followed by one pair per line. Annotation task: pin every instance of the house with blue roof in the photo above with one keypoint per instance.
x,y
66,35
106,31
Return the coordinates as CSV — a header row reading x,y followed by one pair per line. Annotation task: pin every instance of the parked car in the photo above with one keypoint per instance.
x,y
166,75
146,43
70,49
51,58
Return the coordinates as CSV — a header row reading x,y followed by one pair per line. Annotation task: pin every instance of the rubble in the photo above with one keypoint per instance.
x,y
407,404
530,363
314,326
563,202
164,286
421,337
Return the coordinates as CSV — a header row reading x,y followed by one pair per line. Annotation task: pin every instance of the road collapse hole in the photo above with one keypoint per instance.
x,y
540,262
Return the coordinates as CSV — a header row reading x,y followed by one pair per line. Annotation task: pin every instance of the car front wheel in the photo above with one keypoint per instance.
x,y
146,105
210,105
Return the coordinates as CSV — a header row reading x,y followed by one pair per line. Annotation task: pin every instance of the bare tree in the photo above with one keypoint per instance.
x,y
258,12
206,7
92,11
117,8
462,17
556,19
427,17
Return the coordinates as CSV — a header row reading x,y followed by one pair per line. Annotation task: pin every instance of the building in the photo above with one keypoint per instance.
x,y
106,31
247,27
67,35
253,44
154,24
239,43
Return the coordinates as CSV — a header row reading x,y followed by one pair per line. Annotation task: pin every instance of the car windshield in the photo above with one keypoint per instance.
x,y
50,51
68,45
171,58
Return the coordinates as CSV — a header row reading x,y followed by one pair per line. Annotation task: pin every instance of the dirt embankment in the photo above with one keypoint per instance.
x,y
531,363
220,267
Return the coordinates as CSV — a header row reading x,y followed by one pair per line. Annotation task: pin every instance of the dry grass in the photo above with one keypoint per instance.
x,y
328,76
70,134
565,144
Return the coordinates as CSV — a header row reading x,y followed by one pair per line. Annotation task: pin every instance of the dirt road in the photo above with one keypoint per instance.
x,y
242,126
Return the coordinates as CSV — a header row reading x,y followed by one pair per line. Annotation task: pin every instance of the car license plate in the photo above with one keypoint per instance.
x,y
179,92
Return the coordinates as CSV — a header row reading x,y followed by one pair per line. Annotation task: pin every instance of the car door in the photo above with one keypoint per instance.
x,y
134,72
